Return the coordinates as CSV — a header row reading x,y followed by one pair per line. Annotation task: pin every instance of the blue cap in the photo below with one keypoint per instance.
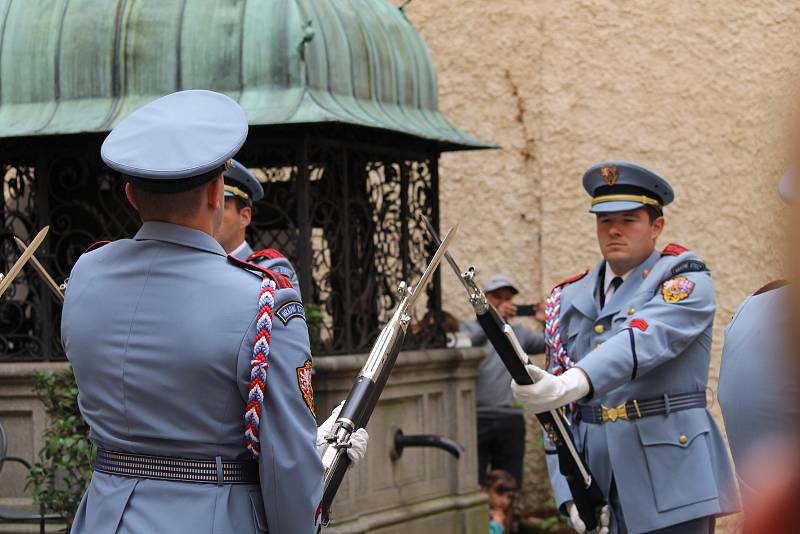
x,y
625,186
240,183
786,186
176,142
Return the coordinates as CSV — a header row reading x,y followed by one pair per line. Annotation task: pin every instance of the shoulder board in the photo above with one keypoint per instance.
x,y
775,284
281,281
266,253
673,249
95,246
571,279
688,266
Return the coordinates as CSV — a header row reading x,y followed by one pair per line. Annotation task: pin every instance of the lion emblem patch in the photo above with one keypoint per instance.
x,y
304,383
677,289
610,174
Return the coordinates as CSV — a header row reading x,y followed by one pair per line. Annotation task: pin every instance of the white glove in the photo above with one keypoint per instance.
x,y
577,524
358,439
549,392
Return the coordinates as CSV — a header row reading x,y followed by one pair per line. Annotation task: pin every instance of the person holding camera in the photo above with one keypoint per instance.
x,y
501,423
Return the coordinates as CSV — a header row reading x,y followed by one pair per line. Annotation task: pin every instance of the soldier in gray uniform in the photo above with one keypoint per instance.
x,y
758,386
629,342
242,189
200,410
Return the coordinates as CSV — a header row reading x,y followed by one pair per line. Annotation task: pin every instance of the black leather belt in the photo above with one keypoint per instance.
x,y
636,409
176,469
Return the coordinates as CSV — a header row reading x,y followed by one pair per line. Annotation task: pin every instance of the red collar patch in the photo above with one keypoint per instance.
x,y
267,253
673,249
572,279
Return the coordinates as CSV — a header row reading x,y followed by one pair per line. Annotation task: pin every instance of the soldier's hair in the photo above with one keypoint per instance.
x,y
155,205
240,203
653,213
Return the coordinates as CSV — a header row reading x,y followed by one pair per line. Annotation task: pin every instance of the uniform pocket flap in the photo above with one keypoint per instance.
x,y
677,431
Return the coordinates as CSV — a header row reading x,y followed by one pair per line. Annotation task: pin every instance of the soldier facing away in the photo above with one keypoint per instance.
x,y
629,341
195,383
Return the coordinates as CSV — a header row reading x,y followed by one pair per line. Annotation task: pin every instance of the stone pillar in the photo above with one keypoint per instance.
x,y
24,420
425,490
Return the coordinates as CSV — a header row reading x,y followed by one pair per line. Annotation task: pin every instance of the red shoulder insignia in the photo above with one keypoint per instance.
x,y
266,253
95,246
572,279
641,324
775,284
673,249
280,281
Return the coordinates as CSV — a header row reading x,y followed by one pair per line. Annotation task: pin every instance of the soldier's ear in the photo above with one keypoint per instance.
x,y
215,193
658,226
131,196
245,216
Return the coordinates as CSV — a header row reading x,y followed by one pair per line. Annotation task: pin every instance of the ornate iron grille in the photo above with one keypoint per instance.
x,y
342,207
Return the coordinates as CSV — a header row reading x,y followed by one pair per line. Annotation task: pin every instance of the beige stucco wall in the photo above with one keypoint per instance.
x,y
695,90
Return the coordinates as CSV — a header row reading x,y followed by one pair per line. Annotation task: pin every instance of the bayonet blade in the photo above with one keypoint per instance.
x,y
436,239
49,282
431,268
5,283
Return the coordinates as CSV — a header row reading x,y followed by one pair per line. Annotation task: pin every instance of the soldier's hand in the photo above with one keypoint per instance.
x,y
548,391
604,520
358,446
507,309
358,439
577,524
575,520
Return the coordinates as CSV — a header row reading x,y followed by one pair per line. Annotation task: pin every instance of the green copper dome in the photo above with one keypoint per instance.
x,y
74,66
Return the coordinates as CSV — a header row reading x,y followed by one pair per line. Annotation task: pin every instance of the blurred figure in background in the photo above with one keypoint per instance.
x,y
501,423
502,490
758,388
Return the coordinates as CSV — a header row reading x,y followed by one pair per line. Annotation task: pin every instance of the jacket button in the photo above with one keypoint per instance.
x,y
597,345
683,440
598,328
631,311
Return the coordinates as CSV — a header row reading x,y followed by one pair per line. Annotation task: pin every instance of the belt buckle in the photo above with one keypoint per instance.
x,y
612,414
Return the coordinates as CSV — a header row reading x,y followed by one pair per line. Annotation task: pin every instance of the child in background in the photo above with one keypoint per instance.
x,y
502,489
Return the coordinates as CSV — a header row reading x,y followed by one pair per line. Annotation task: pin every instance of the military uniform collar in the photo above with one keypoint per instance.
x,y
622,295
179,235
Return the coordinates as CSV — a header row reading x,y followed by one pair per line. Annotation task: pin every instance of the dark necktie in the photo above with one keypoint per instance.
x,y
615,283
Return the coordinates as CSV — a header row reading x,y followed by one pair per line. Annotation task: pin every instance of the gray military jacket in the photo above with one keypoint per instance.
x,y
758,389
668,468
160,330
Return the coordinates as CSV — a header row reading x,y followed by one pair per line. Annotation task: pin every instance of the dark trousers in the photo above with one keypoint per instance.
x,y
501,444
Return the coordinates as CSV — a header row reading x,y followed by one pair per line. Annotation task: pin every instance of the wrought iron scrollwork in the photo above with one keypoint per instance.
x,y
341,207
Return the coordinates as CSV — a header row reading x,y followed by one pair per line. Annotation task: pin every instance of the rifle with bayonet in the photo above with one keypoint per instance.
x,y
586,493
366,391
27,254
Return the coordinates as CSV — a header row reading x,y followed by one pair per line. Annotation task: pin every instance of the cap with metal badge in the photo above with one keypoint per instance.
x,y
624,186
178,141
240,183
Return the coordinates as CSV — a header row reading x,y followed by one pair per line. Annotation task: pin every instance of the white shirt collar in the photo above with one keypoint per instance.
x,y
241,247
609,276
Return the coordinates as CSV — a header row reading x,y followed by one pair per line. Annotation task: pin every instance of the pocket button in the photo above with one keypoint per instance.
x,y
683,440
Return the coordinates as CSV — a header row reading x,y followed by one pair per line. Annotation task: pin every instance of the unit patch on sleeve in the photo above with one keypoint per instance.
x,y
290,310
677,289
304,383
